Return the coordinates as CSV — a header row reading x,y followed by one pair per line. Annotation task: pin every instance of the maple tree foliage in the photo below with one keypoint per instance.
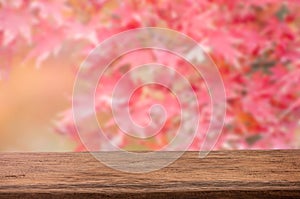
x,y
255,44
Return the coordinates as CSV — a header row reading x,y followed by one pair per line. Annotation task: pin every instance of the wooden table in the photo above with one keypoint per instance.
x,y
222,174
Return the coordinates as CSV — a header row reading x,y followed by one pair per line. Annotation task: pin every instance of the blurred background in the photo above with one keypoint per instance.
x,y
31,100
255,44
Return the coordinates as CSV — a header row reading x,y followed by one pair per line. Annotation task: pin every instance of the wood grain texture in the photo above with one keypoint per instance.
x,y
222,174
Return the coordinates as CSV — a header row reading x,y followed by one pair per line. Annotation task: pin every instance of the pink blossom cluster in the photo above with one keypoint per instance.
x,y
255,45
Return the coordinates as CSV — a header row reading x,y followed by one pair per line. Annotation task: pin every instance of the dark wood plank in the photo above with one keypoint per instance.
x,y
222,174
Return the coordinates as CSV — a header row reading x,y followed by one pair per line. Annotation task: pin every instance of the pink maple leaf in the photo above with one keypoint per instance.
x,y
15,22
